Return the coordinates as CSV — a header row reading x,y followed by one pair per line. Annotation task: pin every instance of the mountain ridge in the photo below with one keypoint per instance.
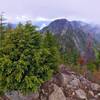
x,y
75,32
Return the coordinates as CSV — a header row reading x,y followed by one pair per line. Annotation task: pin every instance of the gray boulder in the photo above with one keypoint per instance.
x,y
95,87
75,82
81,94
57,94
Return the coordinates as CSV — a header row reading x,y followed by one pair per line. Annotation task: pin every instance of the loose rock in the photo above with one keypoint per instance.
x,y
81,94
57,94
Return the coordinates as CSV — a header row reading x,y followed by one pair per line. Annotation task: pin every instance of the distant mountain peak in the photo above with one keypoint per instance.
x,y
60,21
70,34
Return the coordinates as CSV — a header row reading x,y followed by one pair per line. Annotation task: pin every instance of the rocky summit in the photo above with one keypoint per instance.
x,y
65,85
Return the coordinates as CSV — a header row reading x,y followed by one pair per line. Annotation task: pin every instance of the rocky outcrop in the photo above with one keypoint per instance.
x,y
65,85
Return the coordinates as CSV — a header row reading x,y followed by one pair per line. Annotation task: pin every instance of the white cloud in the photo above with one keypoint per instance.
x,y
43,25
50,9
22,18
41,19
16,19
38,19
47,10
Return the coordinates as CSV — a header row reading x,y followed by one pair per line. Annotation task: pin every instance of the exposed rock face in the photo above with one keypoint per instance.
x,y
65,85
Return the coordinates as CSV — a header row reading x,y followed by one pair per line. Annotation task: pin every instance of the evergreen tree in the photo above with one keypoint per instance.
x,y
71,57
97,62
51,44
27,59
2,25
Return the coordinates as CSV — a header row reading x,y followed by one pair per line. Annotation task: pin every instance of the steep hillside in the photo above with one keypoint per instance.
x,y
68,35
72,34
92,29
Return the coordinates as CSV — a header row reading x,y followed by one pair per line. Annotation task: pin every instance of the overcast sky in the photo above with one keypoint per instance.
x,y
36,10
